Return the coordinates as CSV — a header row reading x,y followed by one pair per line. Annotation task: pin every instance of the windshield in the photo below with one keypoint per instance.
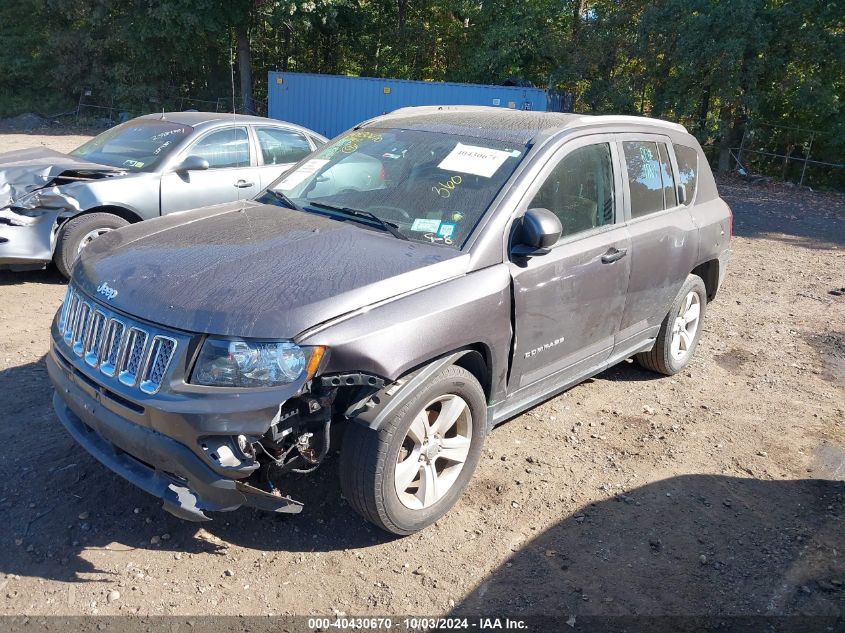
x,y
135,145
431,186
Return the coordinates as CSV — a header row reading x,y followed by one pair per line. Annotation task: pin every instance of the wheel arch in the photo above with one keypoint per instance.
x,y
122,212
709,273
375,407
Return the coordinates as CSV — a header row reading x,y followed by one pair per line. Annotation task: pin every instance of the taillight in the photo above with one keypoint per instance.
x,y
381,173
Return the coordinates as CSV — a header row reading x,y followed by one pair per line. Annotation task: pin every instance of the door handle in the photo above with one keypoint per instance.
x,y
613,255
243,184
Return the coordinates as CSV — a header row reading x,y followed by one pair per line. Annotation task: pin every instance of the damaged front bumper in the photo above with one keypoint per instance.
x,y
156,463
27,242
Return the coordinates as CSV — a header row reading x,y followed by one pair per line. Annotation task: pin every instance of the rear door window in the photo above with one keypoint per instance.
x,y
687,170
650,178
642,161
280,146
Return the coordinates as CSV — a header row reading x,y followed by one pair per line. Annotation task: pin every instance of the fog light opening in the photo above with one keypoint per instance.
x,y
245,446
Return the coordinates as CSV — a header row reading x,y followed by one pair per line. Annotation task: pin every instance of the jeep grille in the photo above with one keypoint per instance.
x,y
114,344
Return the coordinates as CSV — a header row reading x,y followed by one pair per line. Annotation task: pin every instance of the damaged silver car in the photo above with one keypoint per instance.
x,y
52,204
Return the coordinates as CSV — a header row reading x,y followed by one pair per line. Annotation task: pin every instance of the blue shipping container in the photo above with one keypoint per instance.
x,y
330,104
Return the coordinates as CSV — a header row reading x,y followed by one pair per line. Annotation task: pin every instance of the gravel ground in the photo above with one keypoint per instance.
x,y
718,491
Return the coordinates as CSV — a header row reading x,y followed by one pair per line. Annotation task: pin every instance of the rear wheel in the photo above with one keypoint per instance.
x,y
680,330
80,231
410,472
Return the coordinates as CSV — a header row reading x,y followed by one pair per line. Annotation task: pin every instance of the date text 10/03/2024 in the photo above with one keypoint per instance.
x,y
417,624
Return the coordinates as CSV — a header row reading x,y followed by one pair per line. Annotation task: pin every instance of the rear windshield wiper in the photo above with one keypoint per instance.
x,y
390,227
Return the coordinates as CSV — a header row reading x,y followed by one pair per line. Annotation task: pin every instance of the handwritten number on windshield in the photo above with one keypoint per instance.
x,y
445,189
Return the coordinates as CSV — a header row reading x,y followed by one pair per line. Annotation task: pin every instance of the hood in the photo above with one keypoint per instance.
x,y
26,170
255,271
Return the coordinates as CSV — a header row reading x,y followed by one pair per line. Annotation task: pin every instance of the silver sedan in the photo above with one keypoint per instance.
x,y
52,204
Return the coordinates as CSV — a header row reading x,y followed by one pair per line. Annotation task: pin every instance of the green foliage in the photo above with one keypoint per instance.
x,y
712,64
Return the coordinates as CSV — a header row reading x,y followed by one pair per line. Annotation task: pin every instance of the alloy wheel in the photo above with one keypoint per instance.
x,y
434,451
685,326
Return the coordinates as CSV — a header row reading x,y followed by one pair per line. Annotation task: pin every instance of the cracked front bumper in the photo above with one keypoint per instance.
x,y
156,463
26,242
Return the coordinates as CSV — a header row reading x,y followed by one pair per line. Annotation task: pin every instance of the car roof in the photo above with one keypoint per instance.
x,y
511,126
196,119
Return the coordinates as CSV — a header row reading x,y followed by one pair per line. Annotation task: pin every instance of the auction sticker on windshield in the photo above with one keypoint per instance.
x,y
296,177
425,225
475,160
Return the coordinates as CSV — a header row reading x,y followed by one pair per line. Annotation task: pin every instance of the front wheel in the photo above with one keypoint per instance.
x,y
410,472
680,330
80,231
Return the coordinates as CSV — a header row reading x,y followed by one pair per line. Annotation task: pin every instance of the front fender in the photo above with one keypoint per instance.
x,y
398,336
374,409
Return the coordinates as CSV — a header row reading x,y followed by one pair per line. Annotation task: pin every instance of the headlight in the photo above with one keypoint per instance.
x,y
238,363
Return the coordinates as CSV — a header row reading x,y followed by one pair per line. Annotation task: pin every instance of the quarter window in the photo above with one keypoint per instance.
x,y
687,170
580,190
225,148
279,146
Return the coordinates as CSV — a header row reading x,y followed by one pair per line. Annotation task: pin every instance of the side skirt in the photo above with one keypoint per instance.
x,y
552,386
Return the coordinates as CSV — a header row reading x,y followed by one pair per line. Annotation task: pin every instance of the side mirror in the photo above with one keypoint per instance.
x,y
538,231
682,194
192,163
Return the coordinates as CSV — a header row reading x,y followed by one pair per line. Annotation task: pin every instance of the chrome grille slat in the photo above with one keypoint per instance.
x,y
65,309
80,328
94,338
118,347
158,359
133,356
113,344
71,317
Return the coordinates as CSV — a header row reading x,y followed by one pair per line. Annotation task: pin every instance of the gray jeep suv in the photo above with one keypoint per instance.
x,y
420,279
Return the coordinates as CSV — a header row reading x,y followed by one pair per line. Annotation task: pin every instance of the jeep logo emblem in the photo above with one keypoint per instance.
x,y
107,291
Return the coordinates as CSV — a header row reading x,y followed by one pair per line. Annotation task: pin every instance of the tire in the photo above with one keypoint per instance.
x,y
75,234
369,458
663,357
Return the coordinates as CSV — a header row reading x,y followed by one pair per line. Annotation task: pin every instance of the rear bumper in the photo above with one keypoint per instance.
x,y
156,463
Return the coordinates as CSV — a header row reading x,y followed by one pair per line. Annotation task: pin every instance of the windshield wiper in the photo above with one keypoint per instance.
x,y
285,200
390,227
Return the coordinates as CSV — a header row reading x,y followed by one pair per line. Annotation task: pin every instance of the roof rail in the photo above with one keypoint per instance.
x,y
621,118
443,108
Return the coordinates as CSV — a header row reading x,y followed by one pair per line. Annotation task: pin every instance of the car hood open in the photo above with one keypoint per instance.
x,y
254,270
26,170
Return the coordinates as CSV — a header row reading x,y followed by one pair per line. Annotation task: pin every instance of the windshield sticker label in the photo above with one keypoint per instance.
x,y
445,189
424,225
351,142
133,163
161,135
471,159
446,230
161,147
295,178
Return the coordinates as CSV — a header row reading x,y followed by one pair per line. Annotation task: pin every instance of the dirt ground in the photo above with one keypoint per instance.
x,y
719,491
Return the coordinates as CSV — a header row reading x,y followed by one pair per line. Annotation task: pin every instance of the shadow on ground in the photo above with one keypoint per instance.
x,y
47,482
690,545
685,545
45,276
801,217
